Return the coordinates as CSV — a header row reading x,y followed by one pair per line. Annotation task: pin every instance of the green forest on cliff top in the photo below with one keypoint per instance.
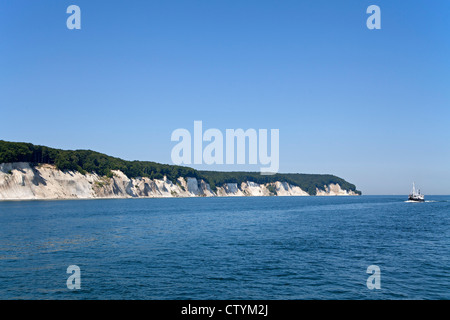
x,y
86,161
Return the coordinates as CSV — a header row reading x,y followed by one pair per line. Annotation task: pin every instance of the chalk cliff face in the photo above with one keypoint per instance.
x,y
333,190
20,181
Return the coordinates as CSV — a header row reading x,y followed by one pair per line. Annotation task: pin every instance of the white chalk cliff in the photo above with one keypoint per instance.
x,y
21,181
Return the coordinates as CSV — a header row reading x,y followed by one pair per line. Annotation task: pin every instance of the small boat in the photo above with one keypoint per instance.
x,y
416,195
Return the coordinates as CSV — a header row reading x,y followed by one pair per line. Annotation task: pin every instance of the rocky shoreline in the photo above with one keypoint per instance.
x,y
22,181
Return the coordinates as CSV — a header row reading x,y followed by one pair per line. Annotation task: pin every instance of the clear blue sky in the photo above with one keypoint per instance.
x,y
369,106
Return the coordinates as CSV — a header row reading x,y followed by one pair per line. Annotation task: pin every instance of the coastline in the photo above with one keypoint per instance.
x,y
156,197
23,181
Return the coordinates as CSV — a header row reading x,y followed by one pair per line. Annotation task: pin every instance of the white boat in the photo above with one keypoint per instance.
x,y
416,195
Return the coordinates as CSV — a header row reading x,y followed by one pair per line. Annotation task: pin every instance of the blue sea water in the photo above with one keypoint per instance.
x,y
226,248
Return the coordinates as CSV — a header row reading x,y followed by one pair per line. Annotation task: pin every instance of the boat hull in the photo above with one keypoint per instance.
x,y
416,199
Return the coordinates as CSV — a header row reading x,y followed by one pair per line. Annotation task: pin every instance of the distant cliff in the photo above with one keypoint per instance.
x,y
30,171
22,181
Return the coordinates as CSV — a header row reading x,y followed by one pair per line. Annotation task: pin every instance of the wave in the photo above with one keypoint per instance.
x,y
410,201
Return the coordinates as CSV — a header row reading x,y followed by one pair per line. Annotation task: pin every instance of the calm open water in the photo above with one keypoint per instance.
x,y
226,248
